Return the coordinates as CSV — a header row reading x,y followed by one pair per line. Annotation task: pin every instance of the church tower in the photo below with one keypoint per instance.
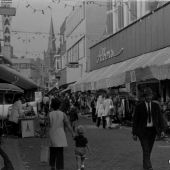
x,y
51,50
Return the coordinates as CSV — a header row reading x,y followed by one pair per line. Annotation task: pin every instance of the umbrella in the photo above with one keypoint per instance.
x,y
10,87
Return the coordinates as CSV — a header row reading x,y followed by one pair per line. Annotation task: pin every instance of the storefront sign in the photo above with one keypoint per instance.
x,y
6,11
107,54
127,86
7,31
133,76
38,95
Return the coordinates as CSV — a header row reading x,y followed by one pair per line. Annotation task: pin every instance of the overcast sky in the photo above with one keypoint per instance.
x,y
27,20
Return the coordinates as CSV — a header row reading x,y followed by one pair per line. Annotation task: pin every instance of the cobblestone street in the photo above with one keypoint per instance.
x,y
111,150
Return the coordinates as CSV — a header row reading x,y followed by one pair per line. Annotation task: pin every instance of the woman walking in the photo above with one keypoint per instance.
x,y
58,121
108,105
16,112
100,111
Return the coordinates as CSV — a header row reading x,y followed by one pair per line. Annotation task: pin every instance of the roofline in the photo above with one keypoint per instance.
x,y
138,20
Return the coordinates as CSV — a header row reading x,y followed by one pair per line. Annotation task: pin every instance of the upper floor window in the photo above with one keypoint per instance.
x,y
109,23
23,65
109,5
120,15
151,5
132,11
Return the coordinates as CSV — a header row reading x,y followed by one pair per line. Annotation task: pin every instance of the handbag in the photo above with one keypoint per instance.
x,y
45,152
44,155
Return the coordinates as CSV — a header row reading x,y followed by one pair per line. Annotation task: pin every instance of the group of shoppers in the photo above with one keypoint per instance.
x,y
104,110
19,109
148,122
59,122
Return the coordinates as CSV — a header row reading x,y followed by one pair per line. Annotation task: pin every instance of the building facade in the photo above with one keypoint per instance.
x,y
83,27
33,69
121,13
134,57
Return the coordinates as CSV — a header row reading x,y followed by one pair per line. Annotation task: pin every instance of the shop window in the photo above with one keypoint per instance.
x,y
109,5
81,47
109,23
133,11
151,6
23,65
120,15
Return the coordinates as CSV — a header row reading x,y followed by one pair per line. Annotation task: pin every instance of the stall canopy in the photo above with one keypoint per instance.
x,y
14,77
10,88
153,65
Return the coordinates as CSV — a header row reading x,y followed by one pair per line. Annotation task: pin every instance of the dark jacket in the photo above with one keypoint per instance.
x,y
141,115
73,114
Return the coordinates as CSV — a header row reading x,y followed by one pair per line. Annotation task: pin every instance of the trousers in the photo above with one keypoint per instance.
x,y
147,139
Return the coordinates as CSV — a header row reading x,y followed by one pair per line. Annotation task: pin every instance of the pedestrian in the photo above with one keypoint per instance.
x,y
81,147
7,162
147,123
65,105
58,140
100,111
73,114
16,113
93,106
108,105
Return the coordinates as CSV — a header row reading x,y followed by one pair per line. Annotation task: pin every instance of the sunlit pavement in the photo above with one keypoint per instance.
x,y
111,149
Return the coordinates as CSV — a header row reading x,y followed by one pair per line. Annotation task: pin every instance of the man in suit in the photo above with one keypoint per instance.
x,y
147,123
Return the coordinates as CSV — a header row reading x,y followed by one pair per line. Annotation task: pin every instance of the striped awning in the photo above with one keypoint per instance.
x,y
153,65
14,77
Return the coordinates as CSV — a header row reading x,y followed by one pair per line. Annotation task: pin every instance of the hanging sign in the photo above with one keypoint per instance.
x,y
7,12
127,85
133,76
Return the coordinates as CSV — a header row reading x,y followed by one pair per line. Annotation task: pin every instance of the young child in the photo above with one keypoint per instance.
x,y
73,116
81,147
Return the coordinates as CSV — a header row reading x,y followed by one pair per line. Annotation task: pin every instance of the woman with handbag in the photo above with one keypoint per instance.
x,y
100,112
58,122
108,105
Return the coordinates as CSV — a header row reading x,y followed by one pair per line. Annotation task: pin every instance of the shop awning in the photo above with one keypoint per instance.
x,y
14,77
153,65
10,87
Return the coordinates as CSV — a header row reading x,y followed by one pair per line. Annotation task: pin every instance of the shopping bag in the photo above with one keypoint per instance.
x,y
44,155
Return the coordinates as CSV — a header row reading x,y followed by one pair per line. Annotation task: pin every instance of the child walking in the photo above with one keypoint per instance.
x,y
81,147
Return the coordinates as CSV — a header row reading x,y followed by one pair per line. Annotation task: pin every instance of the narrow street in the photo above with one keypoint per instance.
x,y
110,150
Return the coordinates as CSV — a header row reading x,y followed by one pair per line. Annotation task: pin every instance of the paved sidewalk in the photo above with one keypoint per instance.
x,y
111,150
11,148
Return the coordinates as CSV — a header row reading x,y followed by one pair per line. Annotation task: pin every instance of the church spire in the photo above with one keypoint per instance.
x,y
51,41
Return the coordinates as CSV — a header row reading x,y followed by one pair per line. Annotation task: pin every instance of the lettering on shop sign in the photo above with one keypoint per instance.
x,y
6,30
107,54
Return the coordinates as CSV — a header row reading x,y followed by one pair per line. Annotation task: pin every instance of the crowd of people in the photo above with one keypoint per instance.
x,y
60,111
103,107
148,119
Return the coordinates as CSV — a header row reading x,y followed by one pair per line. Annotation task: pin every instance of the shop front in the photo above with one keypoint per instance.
x,y
136,54
9,75
133,58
